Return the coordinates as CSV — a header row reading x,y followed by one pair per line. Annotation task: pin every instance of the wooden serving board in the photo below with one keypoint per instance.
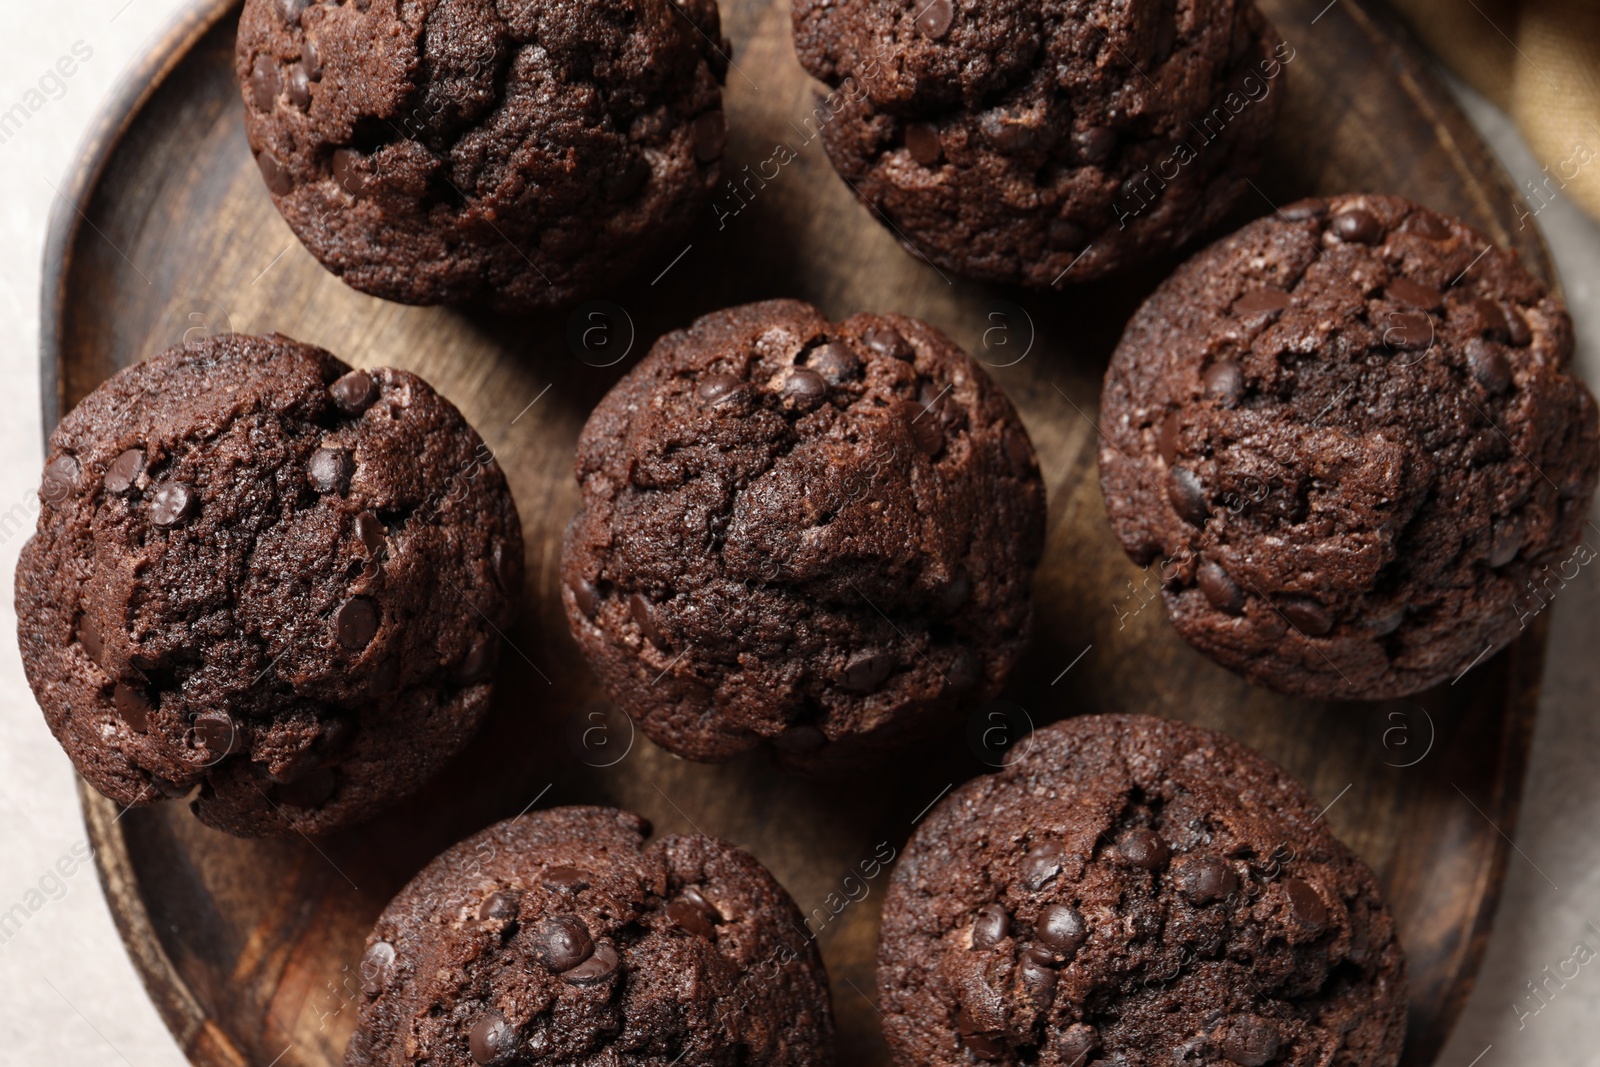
x,y
249,947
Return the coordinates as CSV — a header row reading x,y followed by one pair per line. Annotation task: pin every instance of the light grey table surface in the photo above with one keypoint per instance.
x,y
72,999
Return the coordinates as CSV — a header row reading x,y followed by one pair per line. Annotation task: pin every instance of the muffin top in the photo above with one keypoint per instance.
x,y
821,533
1041,141
1136,891
1351,434
561,937
520,154
259,572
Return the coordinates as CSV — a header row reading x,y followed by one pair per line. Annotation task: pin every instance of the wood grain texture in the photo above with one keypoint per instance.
x,y
248,948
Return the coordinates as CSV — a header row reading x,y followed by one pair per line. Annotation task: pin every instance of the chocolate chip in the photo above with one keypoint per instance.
x,y
1307,616
710,136
1305,905
89,638
1038,980
372,534
922,141
990,927
347,173
1224,382
1167,437
1517,327
1095,144
1013,131
693,895
865,671
1064,233
836,363
264,83
173,503
1076,1043
563,943
644,618
1305,210
1207,877
310,59
1509,533
804,389
123,470
597,968
1140,847
1019,453
584,596
299,86
1187,496
1490,320
330,470
308,790
1219,588
1061,930
566,879
478,662
1268,300
935,18
277,179
498,907
1358,225
714,387
687,917
217,731
926,432
60,479
1489,365
133,707
1409,330
1407,291
355,622
1040,865
1251,1041
377,964
492,1040
887,341
1427,224
354,392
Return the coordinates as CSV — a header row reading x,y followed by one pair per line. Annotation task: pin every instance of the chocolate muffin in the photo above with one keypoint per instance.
x,y
1038,141
522,154
1140,892
269,580
820,534
1352,435
560,937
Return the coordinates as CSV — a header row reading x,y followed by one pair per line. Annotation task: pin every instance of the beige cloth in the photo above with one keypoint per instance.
x,y
1539,60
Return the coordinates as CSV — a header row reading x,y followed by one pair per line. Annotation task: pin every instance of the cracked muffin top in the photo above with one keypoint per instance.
x,y
1044,142
515,153
1351,434
561,937
1139,892
820,534
262,575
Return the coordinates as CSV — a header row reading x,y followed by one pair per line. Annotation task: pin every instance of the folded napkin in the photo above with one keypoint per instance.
x,y
1539,60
